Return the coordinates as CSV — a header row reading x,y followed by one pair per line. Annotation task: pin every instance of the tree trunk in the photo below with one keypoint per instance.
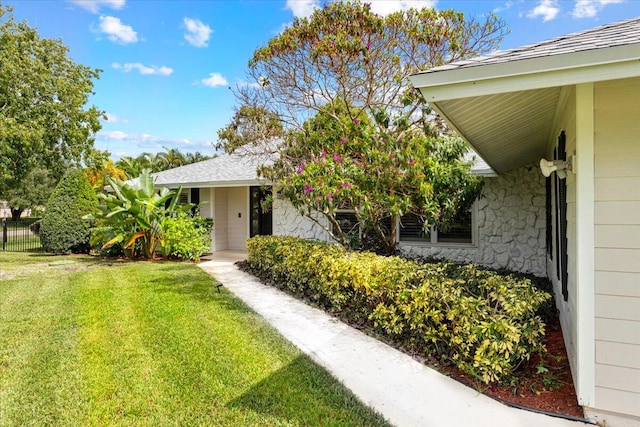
x,y
15,213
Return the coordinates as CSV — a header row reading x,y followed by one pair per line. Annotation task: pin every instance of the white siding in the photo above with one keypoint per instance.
x,y
220,220
617,241
237,218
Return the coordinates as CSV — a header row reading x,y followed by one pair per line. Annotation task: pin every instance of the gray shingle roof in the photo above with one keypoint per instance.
x,y
227,169
239,170
616,34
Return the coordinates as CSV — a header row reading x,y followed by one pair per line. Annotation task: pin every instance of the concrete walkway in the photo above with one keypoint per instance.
x,y
404,391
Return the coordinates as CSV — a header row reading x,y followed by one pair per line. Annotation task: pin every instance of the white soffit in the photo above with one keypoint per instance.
x,y
508,130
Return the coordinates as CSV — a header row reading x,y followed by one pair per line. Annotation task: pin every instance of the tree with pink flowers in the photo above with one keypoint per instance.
x,y
355,134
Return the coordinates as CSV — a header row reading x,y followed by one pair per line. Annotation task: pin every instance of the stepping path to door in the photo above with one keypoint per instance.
x,y
406,392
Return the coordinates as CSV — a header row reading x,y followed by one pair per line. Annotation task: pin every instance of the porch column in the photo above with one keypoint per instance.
x,y
585,244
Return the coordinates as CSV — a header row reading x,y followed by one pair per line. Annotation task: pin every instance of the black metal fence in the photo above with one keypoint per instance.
x,y
21,236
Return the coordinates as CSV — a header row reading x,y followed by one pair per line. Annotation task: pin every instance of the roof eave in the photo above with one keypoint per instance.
x,y
213,184
549,71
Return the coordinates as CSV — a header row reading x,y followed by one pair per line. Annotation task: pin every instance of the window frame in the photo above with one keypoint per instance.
x,y
347,211
433,235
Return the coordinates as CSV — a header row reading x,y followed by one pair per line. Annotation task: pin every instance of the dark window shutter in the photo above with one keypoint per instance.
x,y
562,153
195,200
549,216
556,217
195,196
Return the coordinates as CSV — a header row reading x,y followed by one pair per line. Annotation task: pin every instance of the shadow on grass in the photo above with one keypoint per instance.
x,y
302,393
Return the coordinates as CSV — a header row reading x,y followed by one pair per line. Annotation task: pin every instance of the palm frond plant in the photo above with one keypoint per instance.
x,y
132,215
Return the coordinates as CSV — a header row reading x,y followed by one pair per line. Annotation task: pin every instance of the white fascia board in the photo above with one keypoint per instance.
x,y
214,184
549,71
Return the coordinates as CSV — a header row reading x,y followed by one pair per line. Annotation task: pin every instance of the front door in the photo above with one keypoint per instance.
x,y
261,216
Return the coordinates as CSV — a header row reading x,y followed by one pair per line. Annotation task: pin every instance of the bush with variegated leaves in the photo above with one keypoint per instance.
x,y
483,322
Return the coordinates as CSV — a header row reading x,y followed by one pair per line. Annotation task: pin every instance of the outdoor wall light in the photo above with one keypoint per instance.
x,y
560,167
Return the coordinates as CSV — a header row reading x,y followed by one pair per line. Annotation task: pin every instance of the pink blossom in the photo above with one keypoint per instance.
x,y
337,158
330,196
300,168
343,140
307,188
346,185
356,121
323,154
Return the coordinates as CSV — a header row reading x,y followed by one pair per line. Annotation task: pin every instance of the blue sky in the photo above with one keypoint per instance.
x,y
167,65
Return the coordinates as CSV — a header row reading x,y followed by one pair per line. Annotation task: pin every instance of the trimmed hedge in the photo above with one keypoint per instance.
x,y
62,229
483,322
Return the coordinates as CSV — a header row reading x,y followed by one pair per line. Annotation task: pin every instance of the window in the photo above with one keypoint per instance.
x,y
348,222
460,231
261,221
183,198
351,227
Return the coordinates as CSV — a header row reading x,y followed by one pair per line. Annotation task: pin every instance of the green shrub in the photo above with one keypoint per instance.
x,y
483,322
62,229
186,236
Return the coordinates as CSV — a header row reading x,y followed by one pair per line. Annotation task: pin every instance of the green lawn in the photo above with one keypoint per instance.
x,y
88,342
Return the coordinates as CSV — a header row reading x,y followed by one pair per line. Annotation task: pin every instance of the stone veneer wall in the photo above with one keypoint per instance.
x,y
511,224
510,220
288,222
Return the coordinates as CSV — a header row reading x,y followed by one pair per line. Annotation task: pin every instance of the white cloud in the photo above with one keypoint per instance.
x,y
141,139
244,83
302,8
506,6
116,31
112,135
386,7
214,80
197,33
547,9
590,8
94,6
143,69
112,118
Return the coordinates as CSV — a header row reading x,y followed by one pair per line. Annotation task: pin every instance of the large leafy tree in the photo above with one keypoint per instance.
x,y
32,193
44,120
346,52
357,133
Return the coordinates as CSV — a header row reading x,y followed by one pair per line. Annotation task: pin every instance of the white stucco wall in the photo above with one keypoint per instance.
x,y
510,226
